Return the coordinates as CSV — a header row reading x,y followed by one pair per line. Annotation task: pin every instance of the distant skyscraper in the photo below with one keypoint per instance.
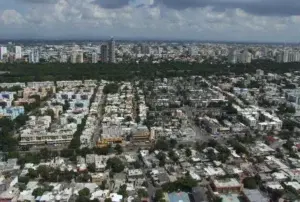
x,y
145,49
73,58
63,58
285,57
104,53
3,51
94,57
232,57
79,58
34,56
245,57
112,53
18,52
297,57
193,51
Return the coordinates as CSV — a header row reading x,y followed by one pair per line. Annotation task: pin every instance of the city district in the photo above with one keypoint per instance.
x,y
178,139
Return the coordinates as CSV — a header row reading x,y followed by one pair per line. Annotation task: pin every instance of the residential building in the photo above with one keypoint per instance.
x,y
104,53
18,52
112,53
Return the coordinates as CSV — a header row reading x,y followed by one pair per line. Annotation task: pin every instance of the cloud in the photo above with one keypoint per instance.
x,y
257,7
165,19
112,3
39,1
9,17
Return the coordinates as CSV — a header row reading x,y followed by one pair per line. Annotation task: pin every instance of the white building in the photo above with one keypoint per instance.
x,y
3,51
94,57
34,56
18,52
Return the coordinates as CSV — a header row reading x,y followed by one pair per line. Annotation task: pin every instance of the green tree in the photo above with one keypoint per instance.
x,y
161,145
119,149
250,183
84,192
32,173
159,194
108,200
38,192
111,88
122,191
188,152
115,164
142,193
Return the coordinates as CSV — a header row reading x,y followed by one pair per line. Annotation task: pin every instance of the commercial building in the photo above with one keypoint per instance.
x,y
230,185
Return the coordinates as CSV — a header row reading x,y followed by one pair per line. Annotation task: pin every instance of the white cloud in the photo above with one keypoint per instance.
x,y
9,17
85,18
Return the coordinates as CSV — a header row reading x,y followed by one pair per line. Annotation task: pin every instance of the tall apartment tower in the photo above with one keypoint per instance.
x,y
73,58
94,57
3,51
18,52
104,53
112,53
34,56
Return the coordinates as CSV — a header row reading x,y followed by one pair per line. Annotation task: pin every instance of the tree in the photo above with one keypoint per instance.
x,y
128,119
50,112
122,191
250,183
108,200
84,192
24,179
161,145
137,165
142,193
161,156
111,88
103,185
38,192
173,143
91,167
159,194
115,164
45,153
119,149
32,173
21,120
66,106
188,152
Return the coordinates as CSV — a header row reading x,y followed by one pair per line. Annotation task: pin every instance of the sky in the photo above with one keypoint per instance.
x,y
218,20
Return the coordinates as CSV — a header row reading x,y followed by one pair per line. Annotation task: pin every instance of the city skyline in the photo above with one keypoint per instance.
x,y
251,20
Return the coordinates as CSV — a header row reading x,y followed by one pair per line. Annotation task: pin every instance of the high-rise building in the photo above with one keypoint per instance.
x,y
232,57
3,51
63,58
79,58
34,56
297,57
245,57
145,49
285,57
291,57
104,53
18,52
73,58
112,53
192,51
94,57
